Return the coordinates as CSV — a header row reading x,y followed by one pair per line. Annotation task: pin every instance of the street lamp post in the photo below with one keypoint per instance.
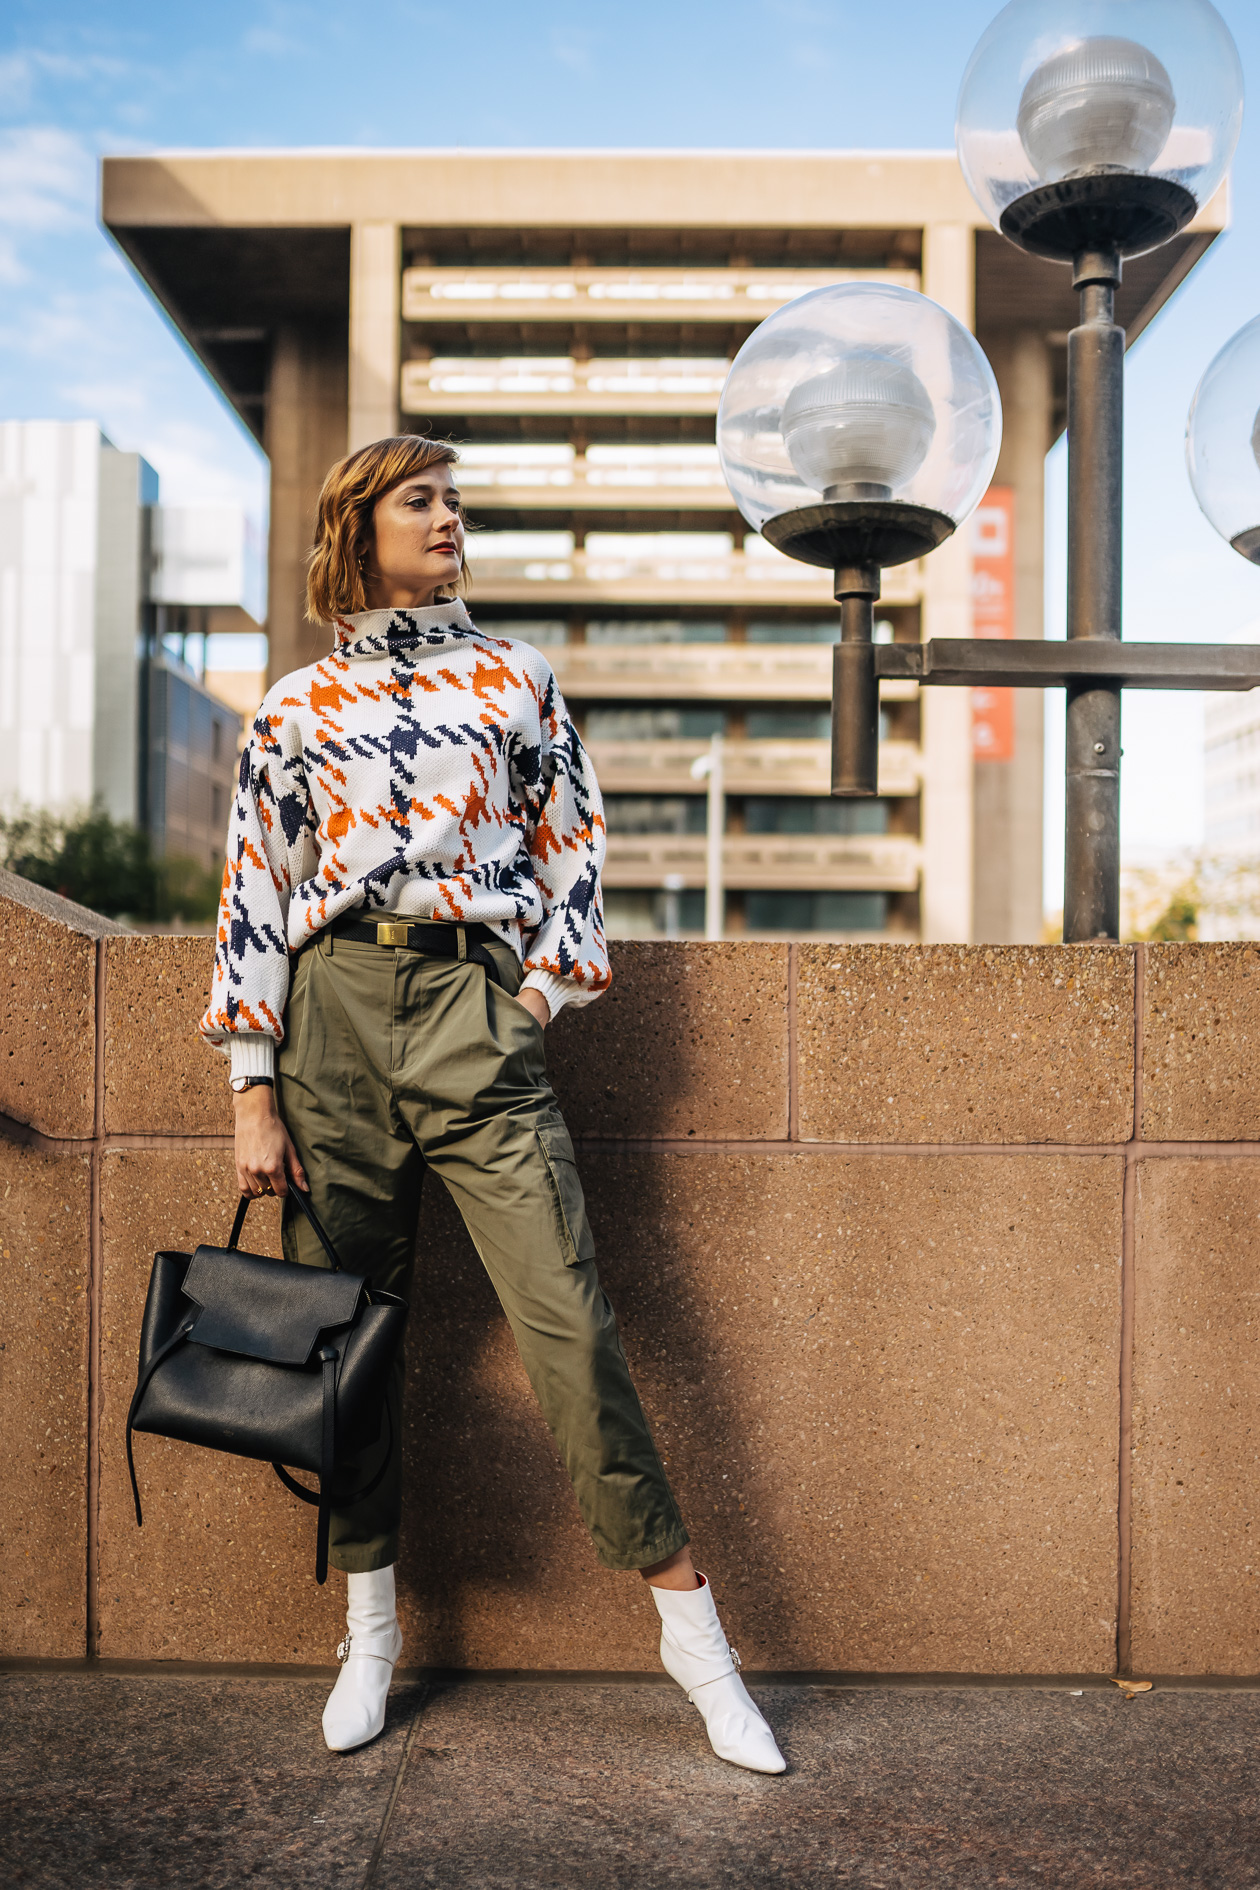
x,y
711,768
1090,131
858,427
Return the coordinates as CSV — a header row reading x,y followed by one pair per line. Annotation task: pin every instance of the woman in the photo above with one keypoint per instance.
x,y
411,894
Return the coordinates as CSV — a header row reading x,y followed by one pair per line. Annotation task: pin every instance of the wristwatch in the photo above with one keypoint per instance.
x,y
239,1084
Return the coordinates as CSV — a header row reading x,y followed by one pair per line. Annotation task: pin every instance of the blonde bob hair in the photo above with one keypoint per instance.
x,y
343,519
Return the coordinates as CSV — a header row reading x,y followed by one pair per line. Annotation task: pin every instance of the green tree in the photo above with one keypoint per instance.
x,y
1178,923
107,865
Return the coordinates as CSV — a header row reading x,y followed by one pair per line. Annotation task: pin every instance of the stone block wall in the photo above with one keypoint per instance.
x,y
938,1269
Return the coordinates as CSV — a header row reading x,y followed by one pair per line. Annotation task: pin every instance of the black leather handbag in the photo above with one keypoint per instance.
x,y
263,1358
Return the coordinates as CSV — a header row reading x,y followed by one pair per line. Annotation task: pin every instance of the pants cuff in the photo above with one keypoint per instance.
x,y
361,1561
644,1557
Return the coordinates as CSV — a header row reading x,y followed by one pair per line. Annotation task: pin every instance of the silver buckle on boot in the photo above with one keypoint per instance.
x,y
735,1660
343,1650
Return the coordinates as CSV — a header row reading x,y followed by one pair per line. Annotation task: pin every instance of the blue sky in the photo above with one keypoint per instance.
x,y
78,336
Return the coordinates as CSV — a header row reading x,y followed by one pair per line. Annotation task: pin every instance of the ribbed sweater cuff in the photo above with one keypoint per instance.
x,y
253,1055
557,991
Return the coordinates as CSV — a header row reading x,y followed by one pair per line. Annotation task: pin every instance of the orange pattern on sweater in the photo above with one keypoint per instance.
x,y
421,769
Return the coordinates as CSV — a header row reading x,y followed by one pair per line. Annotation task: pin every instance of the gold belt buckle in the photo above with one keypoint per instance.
x,y
389,933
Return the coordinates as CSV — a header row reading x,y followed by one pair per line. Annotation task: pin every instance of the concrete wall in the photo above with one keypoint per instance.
x,y
936,1267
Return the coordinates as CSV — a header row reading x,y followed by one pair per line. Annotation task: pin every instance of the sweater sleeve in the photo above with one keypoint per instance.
x,y
566,958
250,983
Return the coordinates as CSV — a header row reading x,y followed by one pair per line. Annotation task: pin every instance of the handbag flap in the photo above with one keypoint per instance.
x,y
266,1309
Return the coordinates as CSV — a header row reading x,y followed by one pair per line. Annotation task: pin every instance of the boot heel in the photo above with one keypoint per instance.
x,y
355,1710
694,1652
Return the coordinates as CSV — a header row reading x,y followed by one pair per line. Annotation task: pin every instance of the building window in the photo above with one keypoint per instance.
x,y
655,725
785,725
649,914
790,813
543,633
655,813
662,630
816,912
828,631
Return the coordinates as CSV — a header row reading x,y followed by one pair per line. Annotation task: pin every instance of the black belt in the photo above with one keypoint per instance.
x,y
433,940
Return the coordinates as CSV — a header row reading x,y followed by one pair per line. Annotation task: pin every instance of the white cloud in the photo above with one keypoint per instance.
x,y
196,464
284,30
572,49
21,73
47,179
273,45
11,269
56,330
17,80
802,13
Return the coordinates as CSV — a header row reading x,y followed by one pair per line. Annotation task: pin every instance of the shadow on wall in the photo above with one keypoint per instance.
x,y
680,1234
491,1533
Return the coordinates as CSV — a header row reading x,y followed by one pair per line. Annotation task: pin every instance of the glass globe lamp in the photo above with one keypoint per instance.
x,y
859,425
1223,442
1099,124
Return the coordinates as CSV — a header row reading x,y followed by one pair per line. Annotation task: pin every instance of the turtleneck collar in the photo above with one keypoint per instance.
x,y
380,632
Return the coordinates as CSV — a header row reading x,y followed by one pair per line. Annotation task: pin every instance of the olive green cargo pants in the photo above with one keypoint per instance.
x,y
394,1063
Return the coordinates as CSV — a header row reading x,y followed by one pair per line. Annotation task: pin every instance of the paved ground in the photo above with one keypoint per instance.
x,y
141,1783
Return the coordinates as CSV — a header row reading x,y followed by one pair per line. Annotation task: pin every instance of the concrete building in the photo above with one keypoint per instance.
x,y
96,584
568,318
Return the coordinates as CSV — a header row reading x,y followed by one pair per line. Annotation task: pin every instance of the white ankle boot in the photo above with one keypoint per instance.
x,y
695,1653
355,1711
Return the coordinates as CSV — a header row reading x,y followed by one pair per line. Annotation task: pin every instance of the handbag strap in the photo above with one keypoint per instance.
x,y
142,1386
327,1465
327,1461
304,1203
355,1496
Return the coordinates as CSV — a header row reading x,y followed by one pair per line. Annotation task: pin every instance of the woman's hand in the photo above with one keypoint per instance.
x,y
266,1160
537,1006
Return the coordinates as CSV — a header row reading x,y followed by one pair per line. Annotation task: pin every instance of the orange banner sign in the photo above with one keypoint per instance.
x,y
993,615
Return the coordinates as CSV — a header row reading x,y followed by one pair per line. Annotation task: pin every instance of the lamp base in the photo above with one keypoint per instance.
x,y
1248,544
849,532
1118,210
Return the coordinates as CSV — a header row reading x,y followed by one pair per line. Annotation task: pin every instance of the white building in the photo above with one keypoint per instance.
x,y
95,703
1227,873
1231,772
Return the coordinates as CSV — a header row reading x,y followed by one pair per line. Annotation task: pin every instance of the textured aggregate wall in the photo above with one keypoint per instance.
x,y
936,1267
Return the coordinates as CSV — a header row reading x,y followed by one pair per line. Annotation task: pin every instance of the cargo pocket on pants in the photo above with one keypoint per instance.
x,y
575,1230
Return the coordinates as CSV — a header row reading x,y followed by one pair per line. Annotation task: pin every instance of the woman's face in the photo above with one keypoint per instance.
x,y
418,542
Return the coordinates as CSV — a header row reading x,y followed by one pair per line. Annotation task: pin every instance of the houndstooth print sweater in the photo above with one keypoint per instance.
x,y
423,769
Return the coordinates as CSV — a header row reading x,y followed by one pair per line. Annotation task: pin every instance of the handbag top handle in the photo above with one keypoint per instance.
x,y
304,1203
